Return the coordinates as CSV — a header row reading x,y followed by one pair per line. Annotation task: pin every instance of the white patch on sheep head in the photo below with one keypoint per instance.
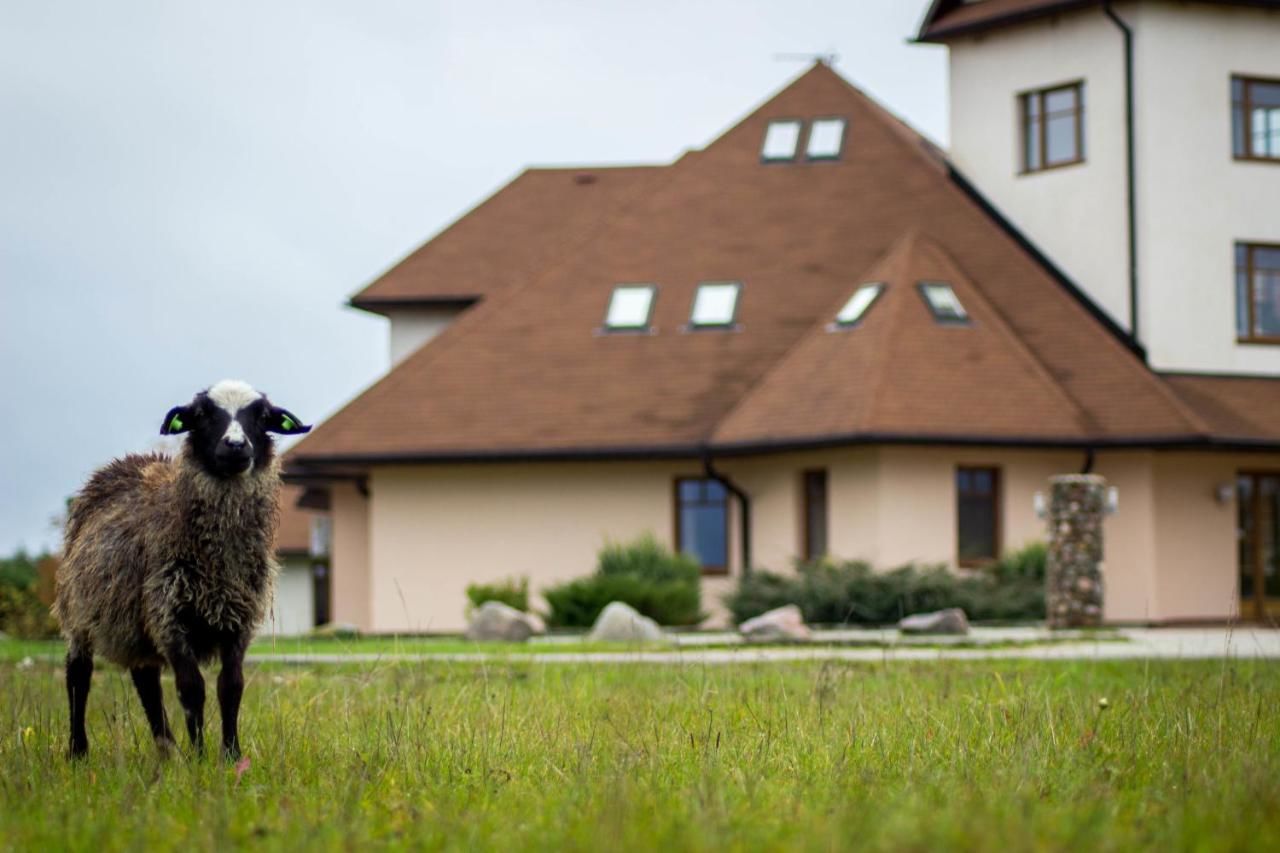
x,y
232,395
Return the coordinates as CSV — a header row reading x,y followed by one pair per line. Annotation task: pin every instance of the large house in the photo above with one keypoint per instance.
x,y
822,335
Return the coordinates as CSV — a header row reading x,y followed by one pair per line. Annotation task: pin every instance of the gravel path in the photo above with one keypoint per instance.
x,y
1137,643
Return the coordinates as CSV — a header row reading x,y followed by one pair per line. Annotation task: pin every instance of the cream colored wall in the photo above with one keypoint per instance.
x,y
351,566
1075,214
1194,199
1129,538
1196,564
436,529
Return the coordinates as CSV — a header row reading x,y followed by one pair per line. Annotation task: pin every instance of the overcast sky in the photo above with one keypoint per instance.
x,y
190,191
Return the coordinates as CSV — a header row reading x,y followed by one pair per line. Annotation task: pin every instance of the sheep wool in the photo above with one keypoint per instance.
x,y
151,540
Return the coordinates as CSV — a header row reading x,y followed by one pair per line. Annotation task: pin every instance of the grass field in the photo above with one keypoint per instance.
x,y
945,755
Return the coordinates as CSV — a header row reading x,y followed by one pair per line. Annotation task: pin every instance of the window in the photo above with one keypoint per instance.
x,y
1255,119
826,138
702,523
1257,293
978,514
943,302
1052,127
814,484
858,304
780,141
630,307
715,304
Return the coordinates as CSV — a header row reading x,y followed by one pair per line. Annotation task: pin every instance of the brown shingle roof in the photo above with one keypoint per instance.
x,y
528,373
948,18
1243,409
550,209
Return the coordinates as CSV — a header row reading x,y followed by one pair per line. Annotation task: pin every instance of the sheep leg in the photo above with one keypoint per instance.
x,y
79,679
230,690
147,681
186,672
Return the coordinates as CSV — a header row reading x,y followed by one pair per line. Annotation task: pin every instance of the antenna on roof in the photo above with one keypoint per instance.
x,y
821,58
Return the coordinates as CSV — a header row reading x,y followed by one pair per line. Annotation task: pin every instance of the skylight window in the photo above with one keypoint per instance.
x,y
715,304
780,140
630,307
826,139
858,304
943,302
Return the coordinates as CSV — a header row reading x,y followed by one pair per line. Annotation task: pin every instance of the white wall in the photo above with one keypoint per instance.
x,y
1194,199
413,327
1075,214
293,611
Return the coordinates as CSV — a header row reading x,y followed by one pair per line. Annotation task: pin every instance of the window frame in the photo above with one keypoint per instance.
x,y
1246,81
807,551
1024,127
808,135
677,504
647,327
997,515
921,288
838,324
801,139
1249,248
732,323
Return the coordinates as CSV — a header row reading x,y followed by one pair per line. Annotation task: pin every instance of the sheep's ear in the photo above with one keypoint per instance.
x,y
285,422
177,421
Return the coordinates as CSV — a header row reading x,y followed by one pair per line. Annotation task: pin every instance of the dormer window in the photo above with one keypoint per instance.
x,y
630,308
858,305
826,139
781,140
715,305
943,303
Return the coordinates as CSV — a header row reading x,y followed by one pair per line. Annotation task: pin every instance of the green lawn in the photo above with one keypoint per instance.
x,y
946,755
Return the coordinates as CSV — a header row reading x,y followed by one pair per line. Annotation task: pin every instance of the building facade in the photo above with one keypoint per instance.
x,y
822,336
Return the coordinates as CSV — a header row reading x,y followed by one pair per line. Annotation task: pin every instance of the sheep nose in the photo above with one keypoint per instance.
x,y
234,443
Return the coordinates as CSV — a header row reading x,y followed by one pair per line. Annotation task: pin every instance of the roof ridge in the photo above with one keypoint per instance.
x,y
897,256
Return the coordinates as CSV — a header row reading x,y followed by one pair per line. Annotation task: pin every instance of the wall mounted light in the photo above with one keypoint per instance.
x,y
1040,505
1223,493
1113,500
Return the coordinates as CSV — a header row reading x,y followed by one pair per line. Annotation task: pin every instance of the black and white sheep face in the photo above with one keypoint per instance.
x,y
230,427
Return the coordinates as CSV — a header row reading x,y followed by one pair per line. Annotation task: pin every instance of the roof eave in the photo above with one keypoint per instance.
x,y
939,35
383,305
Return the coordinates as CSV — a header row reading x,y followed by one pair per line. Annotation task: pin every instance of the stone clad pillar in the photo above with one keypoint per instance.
x,y
1077,506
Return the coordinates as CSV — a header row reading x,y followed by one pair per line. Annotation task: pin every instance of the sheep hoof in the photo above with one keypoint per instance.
x,y
166,746
79,751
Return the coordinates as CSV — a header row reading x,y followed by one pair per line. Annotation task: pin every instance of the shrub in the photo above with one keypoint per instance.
x,y
512,592
664,586
852,593
26,593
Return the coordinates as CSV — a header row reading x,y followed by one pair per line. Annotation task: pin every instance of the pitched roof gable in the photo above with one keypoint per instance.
x,y
900,372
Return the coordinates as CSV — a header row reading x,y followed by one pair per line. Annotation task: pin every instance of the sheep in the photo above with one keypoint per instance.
x,y
168,560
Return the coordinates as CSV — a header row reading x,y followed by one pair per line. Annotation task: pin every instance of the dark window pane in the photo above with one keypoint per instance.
x,y
1266,303
1242,303
1060,100
1244,533
815,514
977,521
1060,139
702,531
1237,89
690,490
1266,258
1032,128
715,490
1264,94
1031,103
1238,132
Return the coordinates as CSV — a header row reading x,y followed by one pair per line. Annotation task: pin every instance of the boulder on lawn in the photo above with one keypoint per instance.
x,y
620,623
782,624
340,630
494,621
949,621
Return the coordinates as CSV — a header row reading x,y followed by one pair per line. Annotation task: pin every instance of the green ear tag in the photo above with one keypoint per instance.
x,y
175,424
286,422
